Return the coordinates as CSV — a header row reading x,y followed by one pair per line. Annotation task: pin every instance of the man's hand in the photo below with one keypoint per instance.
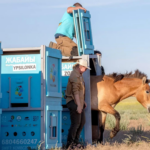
x,y
79,110
83,9
85,104
70,9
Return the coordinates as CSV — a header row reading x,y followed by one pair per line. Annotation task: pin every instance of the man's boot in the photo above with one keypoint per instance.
x,y
74,51
53,45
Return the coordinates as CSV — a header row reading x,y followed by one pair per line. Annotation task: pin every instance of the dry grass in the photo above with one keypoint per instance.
x,y
132,113
134,122
116,146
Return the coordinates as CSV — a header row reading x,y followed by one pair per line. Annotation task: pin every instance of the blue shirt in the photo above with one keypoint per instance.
x,y
66,25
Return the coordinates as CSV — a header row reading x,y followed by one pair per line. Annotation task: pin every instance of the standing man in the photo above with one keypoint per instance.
x,y
75,93
66,32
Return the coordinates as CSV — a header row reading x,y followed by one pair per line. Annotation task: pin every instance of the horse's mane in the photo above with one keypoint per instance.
x,y
118,76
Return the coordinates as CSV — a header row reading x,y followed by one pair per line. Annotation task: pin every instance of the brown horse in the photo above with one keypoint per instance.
x,y
107,91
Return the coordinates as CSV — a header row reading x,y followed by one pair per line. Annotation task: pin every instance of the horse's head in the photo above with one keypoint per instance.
x,y
143,94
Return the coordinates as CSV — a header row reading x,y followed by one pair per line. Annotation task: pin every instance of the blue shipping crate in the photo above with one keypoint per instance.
x,y
31,102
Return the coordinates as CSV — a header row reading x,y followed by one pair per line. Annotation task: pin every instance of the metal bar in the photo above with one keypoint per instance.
x,y
60,74
81,26
21,49
21,109
9,92
42,81
42,49
99,60
74,57
60,137
77,31
79,57
44,98
29,91
98,65
88,124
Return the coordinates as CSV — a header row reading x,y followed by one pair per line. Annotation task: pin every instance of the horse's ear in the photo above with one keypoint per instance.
x,y
144,80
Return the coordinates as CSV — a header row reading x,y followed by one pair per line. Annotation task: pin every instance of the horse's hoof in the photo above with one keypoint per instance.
x,y
112,134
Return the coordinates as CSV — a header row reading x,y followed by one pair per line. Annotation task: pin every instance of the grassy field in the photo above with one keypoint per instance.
x,y
134,124
132,114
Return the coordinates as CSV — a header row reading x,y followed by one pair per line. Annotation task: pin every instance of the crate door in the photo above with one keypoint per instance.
x,y
53,73
83,32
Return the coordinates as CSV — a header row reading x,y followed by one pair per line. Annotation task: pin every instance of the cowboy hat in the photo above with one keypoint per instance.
x,y
84,63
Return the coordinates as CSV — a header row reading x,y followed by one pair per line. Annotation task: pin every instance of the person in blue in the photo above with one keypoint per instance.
x,y
66,32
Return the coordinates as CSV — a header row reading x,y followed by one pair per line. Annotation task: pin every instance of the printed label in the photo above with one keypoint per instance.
x,y
53,72
24,67
66,73
18,118
19,90
19,141
20,59
67,68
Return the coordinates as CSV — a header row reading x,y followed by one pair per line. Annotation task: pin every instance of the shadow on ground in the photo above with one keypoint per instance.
x,y
126,136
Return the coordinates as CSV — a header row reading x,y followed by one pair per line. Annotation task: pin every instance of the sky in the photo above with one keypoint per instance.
x,y
120,28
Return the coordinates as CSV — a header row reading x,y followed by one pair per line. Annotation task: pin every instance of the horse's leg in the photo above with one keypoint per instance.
x,y
101,118
108,109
